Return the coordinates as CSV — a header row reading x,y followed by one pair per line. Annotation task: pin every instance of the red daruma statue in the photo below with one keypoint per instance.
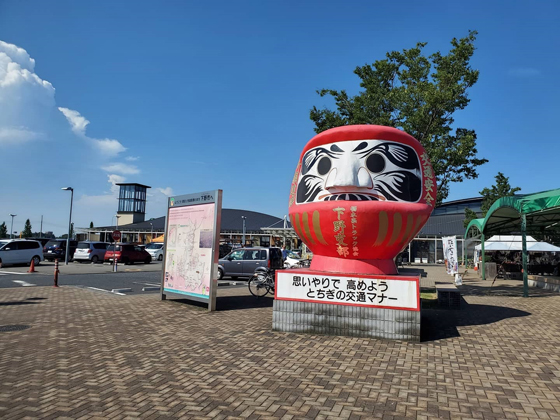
x,y
359,195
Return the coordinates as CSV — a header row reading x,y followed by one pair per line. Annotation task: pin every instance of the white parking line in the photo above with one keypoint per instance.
x,y
5,273
107,291
23,283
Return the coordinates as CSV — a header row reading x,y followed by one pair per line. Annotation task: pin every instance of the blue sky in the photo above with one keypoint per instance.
x,y
192,96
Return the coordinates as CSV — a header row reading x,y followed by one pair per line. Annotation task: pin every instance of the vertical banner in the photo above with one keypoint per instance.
x,y
450,254
192,237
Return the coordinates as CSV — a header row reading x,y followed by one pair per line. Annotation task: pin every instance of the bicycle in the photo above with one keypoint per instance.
x,y
262,282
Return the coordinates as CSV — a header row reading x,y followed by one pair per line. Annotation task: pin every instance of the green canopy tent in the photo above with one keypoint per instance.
x,y
528,214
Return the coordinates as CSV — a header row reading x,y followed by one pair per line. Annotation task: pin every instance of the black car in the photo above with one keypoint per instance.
x,y
56,249
43,241
243,262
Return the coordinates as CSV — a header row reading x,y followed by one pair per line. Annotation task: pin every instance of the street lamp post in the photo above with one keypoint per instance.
x,y
244,218
117,225
69,221
151,232
12,228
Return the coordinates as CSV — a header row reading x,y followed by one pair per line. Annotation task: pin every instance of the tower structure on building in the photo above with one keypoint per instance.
x,y
132,203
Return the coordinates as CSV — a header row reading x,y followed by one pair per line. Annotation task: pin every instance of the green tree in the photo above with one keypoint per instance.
x,y
27,232
419,95
500,189
3,230
91,225
469,215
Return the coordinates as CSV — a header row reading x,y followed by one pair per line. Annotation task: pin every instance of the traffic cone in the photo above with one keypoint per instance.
x,y
32,267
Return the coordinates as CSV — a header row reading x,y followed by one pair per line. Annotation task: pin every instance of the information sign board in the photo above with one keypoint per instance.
x,y
191,247
379,291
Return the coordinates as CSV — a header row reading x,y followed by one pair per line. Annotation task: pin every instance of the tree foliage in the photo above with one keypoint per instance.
x,y
27,232
419,95
469,215
500,189
91,225
3,230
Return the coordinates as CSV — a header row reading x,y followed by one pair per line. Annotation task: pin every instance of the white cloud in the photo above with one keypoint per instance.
x,y
132,158
18,55
25,99
524,72
79,123
17,135
115,179
108,199
122,168
108,147
166,191
27,105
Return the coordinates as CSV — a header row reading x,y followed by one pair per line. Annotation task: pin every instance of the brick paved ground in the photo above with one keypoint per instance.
x,y
87,354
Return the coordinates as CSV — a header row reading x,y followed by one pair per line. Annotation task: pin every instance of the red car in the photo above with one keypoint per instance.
x,y
127,254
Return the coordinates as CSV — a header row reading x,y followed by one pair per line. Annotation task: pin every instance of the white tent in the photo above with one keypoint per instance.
x,y
542,247
513,243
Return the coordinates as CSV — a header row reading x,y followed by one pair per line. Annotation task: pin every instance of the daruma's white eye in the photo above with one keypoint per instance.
x,y
375,163
324,166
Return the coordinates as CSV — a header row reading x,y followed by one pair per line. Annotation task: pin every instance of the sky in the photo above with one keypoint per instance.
x,y
191,96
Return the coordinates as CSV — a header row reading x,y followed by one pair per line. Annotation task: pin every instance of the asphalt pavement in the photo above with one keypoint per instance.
x,y
128,280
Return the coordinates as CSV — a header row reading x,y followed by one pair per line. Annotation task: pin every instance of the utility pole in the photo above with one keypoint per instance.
x,y
69,222
12,228
41,235
244,218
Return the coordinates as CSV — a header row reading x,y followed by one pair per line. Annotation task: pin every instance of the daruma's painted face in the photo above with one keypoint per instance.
x,y
359,195
360,170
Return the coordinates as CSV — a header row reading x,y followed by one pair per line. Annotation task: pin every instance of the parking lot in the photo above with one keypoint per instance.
x,y
128,280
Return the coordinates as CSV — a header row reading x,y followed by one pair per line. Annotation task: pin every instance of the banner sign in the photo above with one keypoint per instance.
x,y
390,292
450,254
191,246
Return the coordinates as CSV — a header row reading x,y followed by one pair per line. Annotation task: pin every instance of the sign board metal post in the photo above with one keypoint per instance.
x,y
191,247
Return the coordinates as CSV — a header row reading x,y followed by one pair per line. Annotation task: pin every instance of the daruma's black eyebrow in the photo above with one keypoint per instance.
x,y
335,148
360,146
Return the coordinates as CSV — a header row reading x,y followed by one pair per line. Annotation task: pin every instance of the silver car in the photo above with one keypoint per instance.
x,y
90,251
155,249
244,261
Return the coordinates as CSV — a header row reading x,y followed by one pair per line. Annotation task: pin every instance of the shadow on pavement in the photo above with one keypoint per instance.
x,y
18,302
439,324
231,303
502,288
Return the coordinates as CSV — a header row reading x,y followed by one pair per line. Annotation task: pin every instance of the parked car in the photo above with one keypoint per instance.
x,y
244,261
56,249
43,241
90,251
20,251
155,249
127,254
292,260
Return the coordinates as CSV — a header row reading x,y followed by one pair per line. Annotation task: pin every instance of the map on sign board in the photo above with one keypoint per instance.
x,y
190,235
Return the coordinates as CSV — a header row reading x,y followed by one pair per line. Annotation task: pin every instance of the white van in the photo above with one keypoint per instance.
x,y
20,251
